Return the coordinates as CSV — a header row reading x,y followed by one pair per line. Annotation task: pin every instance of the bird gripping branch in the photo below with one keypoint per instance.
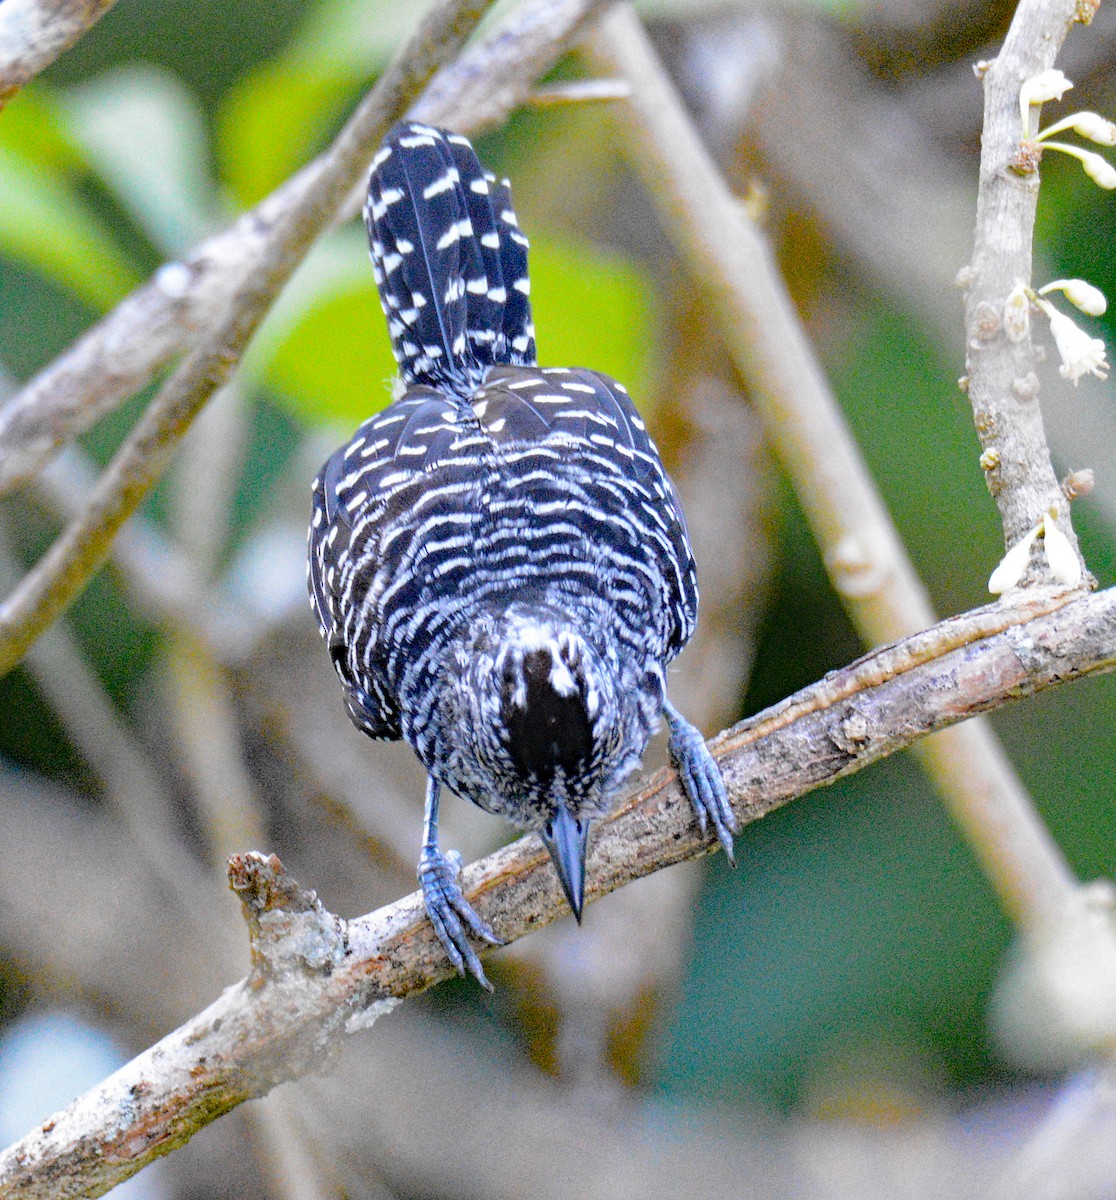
x,y
498,561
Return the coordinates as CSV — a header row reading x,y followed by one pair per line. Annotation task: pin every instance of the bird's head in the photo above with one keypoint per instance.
x,y
546,731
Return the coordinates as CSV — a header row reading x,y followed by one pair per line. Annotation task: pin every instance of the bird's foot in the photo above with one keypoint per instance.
x,y
452,916
701,777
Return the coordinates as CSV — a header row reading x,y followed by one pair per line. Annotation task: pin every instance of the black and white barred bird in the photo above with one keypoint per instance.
x,y
498,561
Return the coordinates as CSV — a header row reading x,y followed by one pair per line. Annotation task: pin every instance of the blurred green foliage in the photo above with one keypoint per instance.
x,y
44,221
325,348
857,918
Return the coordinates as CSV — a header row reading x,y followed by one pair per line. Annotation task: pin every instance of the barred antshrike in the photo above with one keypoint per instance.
x,y
498,560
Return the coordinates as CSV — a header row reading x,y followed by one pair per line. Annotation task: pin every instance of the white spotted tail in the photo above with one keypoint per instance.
x,y
449,260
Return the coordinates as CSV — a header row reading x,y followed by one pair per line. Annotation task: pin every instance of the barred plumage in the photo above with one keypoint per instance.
x,y
449,260
498,560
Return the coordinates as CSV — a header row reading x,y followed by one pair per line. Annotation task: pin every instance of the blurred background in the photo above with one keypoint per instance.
x,y
837,1016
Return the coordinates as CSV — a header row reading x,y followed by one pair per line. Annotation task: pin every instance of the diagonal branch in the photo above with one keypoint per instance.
x,y
161,318
82,547
863,552
316,978
33,33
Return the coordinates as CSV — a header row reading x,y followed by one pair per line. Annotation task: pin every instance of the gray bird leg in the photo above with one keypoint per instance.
x,y
701,778
450,913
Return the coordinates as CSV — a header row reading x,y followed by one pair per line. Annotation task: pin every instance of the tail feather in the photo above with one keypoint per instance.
x,y
519,330
449,260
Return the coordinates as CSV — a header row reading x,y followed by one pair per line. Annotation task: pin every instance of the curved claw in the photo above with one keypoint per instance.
x,y
701,777
452,916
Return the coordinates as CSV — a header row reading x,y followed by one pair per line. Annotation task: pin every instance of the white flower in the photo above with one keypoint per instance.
x,y
1061,557
1089,299
1080,353
1011,567
1046,85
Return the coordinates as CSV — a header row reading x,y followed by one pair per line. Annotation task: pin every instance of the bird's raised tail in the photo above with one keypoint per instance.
x,y
449,260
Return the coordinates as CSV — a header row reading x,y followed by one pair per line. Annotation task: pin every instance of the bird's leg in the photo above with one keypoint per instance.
x,y
701,777
450,913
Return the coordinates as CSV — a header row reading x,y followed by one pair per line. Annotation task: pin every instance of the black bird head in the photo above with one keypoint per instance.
x,y
548,705
544,733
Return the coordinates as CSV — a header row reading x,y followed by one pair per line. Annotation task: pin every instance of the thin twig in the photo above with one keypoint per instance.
x,y
33,33
1002,380
165,586
66,568
863,552
126,348
316,978
207,736
103,738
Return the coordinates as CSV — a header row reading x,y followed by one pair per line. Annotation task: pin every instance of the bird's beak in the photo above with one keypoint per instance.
x,y
566,839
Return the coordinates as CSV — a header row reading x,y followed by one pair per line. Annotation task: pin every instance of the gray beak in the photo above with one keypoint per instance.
x,y
566,839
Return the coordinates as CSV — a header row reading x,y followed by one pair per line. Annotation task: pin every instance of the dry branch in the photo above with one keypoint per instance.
x,y
160,319
58,578
863,552
33,33
316,977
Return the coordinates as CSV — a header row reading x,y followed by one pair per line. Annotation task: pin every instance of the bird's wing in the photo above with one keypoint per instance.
x,y
353,497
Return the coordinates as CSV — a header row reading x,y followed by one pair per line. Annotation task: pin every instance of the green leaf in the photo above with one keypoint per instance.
x,y
35,129
324,346
145,134
274,119
45,224
592,309
280,114
333,367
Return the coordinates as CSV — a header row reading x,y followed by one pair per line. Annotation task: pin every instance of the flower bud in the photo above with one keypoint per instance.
x,y
1011,567
1094,127
1078,292
1099,169
1064,564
